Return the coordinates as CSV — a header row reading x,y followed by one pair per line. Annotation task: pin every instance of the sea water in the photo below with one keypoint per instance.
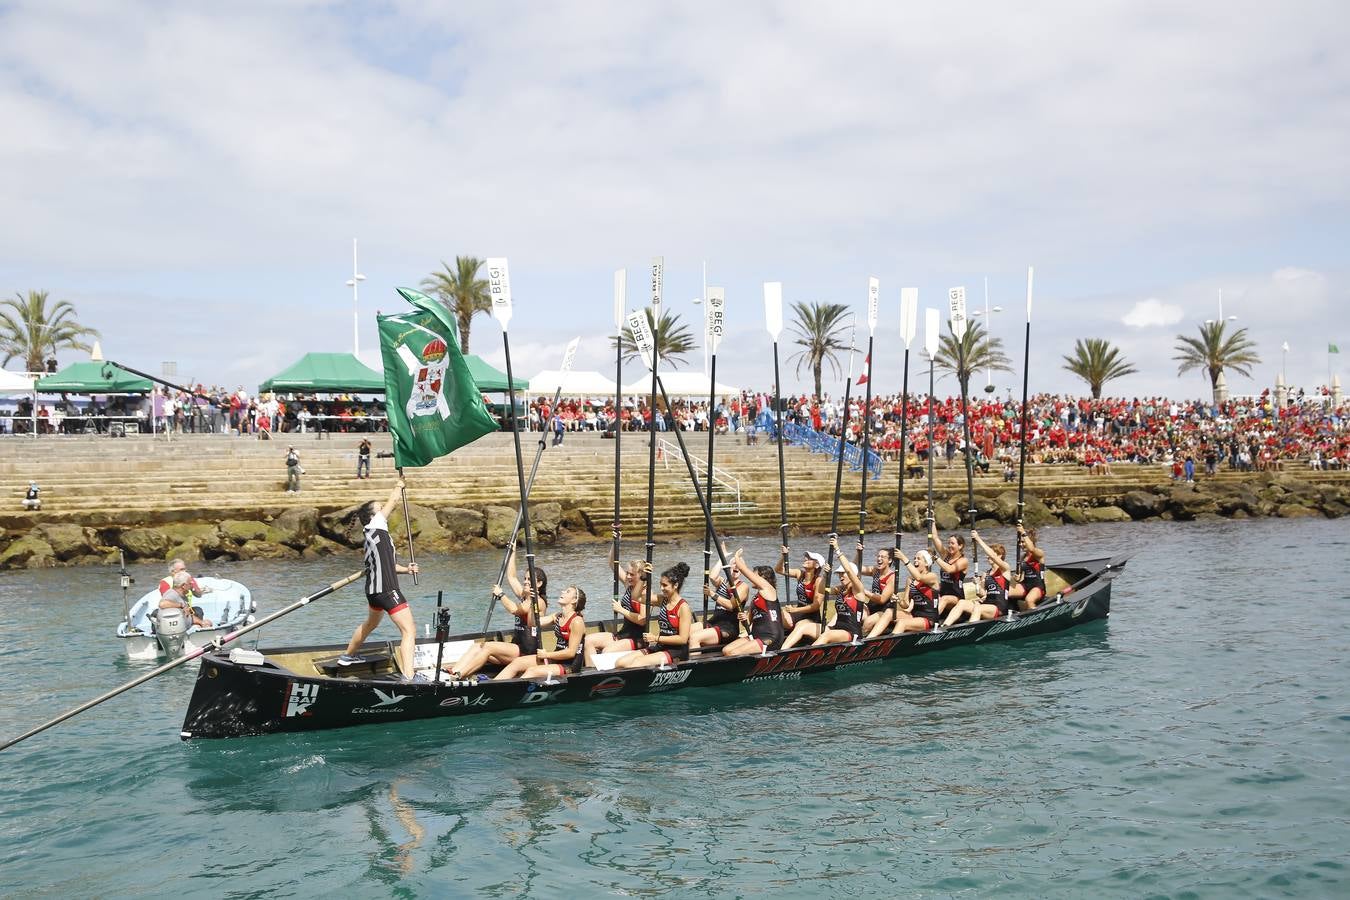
x,y
1197,744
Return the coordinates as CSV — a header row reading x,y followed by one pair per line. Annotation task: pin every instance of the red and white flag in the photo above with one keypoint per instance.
x,y
867,367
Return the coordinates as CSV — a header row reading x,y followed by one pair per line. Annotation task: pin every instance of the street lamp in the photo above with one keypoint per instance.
x,y
1221,315
352,282
988,329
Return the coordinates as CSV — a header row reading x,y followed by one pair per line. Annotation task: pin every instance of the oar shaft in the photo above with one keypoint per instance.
x,y
838,483
904,434
618,457
698,491
1022,449
708,535
651,485
932,446
175,663
866,447
782,478
533,586
970,466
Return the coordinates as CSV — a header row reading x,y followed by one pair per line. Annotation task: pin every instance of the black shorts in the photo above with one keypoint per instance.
x,y
389,601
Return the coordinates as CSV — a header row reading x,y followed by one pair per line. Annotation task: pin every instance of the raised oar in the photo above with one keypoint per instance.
x,y
909,317
620,304
956,299
873,299
1022,450
173,664
838,479
568,355
643,330
714,320
930,346
773,319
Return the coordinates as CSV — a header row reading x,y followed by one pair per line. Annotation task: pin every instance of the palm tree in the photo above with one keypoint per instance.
x,y
462,292
1214,351
673,340
1097,362
820,328
976,350
30,330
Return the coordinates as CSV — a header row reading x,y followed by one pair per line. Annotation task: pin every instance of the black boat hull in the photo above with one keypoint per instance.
x,y
233,699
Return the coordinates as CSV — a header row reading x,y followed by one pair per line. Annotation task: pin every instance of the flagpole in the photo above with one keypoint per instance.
x,y
407,524
909,300
773,318
873,298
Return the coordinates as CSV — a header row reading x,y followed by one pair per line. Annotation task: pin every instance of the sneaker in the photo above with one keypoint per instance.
x,y
345,660
419,678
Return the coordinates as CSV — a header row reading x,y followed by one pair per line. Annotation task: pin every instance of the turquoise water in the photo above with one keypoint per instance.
x,y
1195,745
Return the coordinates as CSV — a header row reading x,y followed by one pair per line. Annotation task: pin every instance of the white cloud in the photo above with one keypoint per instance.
x,y
1152,313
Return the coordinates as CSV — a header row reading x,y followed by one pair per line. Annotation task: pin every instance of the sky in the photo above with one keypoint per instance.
x,y
191,175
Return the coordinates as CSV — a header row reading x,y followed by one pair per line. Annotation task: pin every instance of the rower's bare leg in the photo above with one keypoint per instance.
x,y
363,631
1033,597
881,623
595,643
803,630
408,629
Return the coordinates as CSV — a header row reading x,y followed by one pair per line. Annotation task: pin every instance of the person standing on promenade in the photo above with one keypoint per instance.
x,y
383,596
363,458
293,471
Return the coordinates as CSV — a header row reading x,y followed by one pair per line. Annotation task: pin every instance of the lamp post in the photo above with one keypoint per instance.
x,y
352,283
1221,315
988,334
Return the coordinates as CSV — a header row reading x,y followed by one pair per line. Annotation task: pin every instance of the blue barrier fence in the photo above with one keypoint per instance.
x,y
820,442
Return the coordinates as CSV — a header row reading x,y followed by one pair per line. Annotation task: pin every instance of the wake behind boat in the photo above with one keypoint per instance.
x,y
247,692
149,632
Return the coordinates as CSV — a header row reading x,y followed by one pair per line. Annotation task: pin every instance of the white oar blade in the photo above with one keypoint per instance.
x,y
715,312
773,308
570,354
658,280
499,289
873,302
620,296
1031,273
931,331
909,314
852,344
641,329
956,307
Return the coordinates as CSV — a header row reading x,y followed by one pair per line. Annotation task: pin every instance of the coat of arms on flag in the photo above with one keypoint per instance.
x,y
428,370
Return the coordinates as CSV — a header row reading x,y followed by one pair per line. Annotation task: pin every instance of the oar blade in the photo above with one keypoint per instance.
x,y
499,289
773,308
909,314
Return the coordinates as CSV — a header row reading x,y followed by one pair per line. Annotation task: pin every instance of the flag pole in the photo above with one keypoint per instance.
x,y
1022,450
873,299
714,304
407,523
909,300
773,319
499,284
838,479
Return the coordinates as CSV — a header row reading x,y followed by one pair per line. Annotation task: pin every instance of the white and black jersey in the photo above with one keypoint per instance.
x,y
381,576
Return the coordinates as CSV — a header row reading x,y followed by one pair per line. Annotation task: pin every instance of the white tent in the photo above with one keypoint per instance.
x,y
14,383
679,384
574,384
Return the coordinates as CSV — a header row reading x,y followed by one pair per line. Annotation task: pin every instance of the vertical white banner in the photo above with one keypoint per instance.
x,y
931,331
873,302
570,354
499,289
642,335
715,317
773,307
620,296
658,279
956,302
909,314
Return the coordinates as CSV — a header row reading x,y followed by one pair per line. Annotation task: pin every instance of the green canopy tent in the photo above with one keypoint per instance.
x,y
326,373
93,377
489,379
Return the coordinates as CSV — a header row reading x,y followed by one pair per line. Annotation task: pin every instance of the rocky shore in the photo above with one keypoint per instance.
x,y
308,532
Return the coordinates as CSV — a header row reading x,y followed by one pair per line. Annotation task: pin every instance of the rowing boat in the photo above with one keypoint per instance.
x,y
250,692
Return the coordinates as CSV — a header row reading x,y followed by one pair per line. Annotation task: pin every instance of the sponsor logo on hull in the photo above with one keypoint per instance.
x,y
301,698
823,656
536,693
664,681
387,703
477,700
609,687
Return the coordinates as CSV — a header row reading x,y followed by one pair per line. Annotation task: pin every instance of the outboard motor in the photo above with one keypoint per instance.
x,y
171,627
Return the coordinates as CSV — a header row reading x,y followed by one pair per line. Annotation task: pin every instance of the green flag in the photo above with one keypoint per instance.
x,y
1332,348
433,404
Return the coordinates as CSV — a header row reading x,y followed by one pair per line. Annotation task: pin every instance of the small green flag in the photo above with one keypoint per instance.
x,y
1332,348
433,404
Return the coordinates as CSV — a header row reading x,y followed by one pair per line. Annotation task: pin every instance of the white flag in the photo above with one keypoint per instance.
x,y
873,301
499,289
715,321
909,314
570,354
658,278
642,335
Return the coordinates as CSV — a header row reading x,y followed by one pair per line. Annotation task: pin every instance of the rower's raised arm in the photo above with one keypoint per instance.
x,y
512,577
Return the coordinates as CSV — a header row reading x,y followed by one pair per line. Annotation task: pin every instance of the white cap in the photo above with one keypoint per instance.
x,y
925,557
812,555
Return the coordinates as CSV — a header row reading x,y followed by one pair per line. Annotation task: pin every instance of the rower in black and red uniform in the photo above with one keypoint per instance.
x,y
880,609
804,617
765,617
568,630
849,605
723,626
629,610
1030,590
674,619
992,599
917,609
951,563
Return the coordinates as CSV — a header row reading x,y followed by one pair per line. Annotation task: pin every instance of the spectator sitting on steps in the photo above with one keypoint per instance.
x,y
30,500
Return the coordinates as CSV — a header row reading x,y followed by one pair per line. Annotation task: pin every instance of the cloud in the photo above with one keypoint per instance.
x,y
1152,313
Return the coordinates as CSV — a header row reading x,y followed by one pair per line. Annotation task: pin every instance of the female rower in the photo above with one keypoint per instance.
x,y
765,618
952,564
674,619
848,605
880,611
1031,589
992,598
804,618
729,595
524,640
917,608
568,630
630,611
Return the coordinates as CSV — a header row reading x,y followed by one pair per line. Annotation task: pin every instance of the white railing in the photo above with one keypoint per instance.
x,y
722,477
